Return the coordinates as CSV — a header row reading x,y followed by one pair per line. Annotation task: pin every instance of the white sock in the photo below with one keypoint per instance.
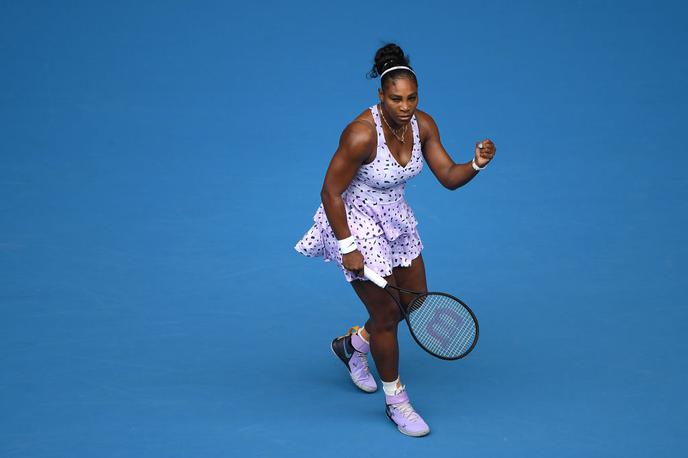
x,y
391,388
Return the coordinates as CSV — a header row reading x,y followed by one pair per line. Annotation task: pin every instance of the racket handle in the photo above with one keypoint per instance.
x,y
374,277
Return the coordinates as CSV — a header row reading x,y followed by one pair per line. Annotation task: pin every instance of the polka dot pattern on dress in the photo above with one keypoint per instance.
x,y
377,213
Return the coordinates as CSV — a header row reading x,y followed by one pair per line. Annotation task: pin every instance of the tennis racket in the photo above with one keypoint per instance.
x,y
441,324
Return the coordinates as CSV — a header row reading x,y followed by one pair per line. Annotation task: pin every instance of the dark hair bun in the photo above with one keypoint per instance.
x,y
390,55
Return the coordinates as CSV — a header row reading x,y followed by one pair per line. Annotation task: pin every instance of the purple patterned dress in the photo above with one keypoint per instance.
x,y
378,216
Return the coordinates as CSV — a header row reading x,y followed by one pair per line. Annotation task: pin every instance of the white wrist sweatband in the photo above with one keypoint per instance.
x,y
475,166
347,245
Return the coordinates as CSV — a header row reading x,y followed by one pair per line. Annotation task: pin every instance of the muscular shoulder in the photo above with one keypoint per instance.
x,y
358,139
426,125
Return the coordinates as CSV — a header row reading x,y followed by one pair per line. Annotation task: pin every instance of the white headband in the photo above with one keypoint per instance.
x,y
396,68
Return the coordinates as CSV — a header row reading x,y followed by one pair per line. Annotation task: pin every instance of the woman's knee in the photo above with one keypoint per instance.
x,y
386,320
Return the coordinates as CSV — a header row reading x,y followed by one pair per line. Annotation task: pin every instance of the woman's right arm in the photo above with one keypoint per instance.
x,y
356,145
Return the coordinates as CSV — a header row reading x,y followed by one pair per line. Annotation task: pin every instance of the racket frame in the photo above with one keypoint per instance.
x,y
384,284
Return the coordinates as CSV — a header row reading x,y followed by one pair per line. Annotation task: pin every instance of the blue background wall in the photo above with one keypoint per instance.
x,y
159,160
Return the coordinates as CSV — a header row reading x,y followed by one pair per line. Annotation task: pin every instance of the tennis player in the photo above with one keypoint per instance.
x,y
364,219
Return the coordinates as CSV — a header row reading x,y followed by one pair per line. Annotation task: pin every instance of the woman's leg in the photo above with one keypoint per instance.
x,y
384,314
381,327
411,278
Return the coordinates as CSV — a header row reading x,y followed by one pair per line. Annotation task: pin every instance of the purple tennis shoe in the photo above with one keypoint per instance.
x,y
400,411
352,349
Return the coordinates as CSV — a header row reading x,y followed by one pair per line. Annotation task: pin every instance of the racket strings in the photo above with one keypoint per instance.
x,y
442,325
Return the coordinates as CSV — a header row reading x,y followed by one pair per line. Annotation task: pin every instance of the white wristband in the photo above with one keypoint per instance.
x,y
475,166
347,245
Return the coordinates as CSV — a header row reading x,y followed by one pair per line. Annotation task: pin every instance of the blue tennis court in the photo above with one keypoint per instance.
x,y
159,160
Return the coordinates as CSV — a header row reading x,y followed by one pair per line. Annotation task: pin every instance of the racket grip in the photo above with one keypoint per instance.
x,y
373,276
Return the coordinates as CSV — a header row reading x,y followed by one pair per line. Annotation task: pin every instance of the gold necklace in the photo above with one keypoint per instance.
x,y
394,132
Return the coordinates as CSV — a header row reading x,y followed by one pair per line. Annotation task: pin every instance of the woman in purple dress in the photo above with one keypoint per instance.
x,y
365,219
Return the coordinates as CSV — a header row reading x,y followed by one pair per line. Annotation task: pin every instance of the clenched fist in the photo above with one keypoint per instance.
x,y
484,152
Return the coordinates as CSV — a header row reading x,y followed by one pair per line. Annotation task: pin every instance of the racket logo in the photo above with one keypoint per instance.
x,y
444,325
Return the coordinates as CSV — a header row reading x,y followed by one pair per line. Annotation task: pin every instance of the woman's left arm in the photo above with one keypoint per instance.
x,y
450,174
